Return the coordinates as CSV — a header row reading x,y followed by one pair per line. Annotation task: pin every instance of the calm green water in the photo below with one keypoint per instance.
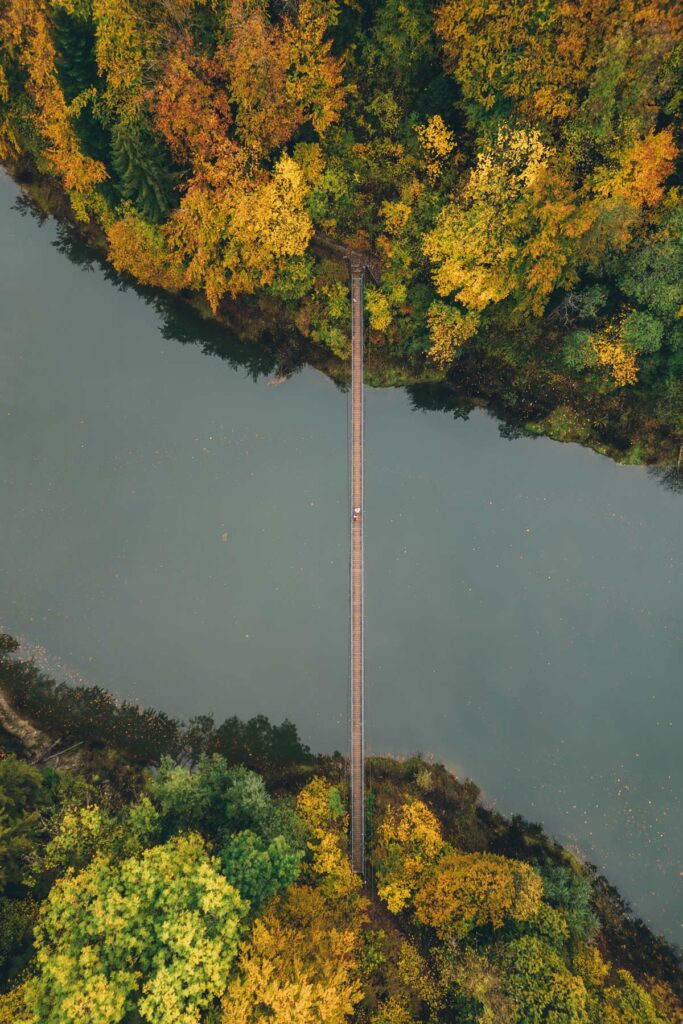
x,y
176,530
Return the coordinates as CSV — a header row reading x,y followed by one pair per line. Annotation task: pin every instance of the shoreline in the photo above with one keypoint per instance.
x,y
530,399
37,742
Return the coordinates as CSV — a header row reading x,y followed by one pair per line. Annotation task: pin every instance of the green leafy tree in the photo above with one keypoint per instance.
x,y
259,869
217,800
23,794
151,939
539,983
257,743
79,833
629,1003
572,893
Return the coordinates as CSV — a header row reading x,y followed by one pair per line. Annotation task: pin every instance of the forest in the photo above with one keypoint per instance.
x,y
165,873
512,171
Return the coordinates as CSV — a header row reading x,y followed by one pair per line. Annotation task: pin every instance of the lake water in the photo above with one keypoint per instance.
x,y
177,530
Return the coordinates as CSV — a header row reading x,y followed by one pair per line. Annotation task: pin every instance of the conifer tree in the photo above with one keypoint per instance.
x,y
74,38
142,168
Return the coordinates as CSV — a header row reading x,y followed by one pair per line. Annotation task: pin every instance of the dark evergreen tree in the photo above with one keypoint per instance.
x,y
143,170
74,38
76,66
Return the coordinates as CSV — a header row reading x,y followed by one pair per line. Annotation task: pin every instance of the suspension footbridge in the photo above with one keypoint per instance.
x,y
357,612
359,265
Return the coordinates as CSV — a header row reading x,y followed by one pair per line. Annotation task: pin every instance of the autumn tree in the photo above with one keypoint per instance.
x,y
234,229
501,237
141,249
281,76
124,42
469,890
629,1003
575,62
300,966
437,142
190,103
26,31
326,824
449,329
409,842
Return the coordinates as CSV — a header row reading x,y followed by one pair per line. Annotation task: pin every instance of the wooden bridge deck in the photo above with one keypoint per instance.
x,y
357,574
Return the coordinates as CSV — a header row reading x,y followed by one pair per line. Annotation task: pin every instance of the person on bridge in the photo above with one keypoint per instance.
x,y
356,515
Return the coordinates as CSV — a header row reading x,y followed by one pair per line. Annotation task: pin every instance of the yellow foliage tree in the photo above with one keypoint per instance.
x,y
13,1008
132,41
501,235
235,229
393,1011
524,220
468,890
299,967
410,840
319,807
139,248
438,142
589,963
613,353
379,310
449,329
257,59
315,78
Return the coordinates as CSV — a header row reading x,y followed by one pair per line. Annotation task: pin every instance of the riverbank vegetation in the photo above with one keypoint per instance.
x,y
150,875
512,170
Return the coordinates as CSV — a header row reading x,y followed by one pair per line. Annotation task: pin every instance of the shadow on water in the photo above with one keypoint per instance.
x,y
278,353
435,397
669,477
